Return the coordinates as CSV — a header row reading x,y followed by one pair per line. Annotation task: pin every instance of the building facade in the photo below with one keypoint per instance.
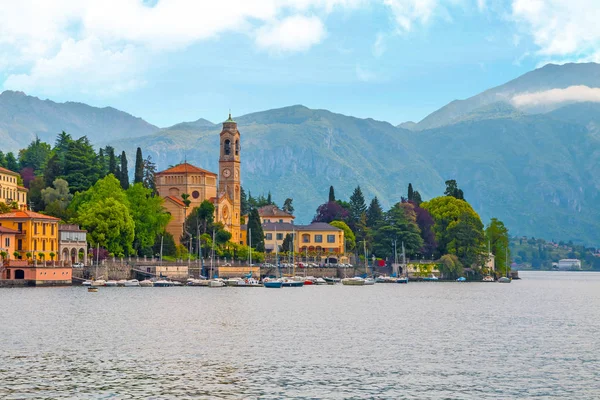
x,y
38,233
72,244
8,239
222,190
10,191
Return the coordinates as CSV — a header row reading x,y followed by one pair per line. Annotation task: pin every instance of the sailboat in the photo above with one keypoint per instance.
x,y
404,278
505,279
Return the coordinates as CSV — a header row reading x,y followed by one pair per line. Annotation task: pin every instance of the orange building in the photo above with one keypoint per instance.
x,y
10,191
38,233
7,241
23,274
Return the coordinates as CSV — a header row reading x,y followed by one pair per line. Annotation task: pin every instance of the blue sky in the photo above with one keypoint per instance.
x,y
179,60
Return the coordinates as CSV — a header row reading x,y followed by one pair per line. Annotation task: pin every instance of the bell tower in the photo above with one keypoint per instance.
x,y
229,177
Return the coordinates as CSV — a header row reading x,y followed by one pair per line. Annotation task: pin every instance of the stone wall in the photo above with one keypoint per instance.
x,y
107,271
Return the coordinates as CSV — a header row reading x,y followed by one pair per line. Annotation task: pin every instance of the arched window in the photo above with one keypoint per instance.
x,y
227,147
237,147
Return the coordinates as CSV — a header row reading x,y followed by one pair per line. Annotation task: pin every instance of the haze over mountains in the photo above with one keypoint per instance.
x,y
526,152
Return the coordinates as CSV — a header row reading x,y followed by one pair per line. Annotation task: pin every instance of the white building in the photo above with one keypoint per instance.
x,y
569,264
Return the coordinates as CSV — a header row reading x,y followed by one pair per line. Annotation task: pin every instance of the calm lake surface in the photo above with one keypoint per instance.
x,y
534,338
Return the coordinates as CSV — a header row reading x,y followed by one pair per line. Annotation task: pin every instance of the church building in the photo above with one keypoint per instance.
x,y
222,190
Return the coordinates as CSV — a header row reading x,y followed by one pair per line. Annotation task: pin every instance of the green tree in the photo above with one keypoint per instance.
x,y
81,169
417,198
331,194
35,156
112,160
2,159
287,244
57,198
109,224
374,213
349,237
11,162
168,245
139,167
398,225
358,207
102,163
107,187
124,176
53,170
149,173
254,226
35,193
410,192
497,238
244,205
269,199
453,190
450,266
458,228
287,206
149,217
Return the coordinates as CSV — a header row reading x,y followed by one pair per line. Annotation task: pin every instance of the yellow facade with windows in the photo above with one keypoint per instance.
x,y
38,233
10,191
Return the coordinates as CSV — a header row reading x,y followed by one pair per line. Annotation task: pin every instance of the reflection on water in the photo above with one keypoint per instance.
x,y
538,337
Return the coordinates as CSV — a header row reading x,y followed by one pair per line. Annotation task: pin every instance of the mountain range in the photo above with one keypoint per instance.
x,y
526,152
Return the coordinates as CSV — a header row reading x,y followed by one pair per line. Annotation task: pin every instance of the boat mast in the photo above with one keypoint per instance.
x,y
366,260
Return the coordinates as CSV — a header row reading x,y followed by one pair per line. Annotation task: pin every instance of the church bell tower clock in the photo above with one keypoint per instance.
x,y
229,177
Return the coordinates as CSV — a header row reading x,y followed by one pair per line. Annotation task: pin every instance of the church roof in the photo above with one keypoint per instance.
x,y
185,168
273,211
8,171
176,200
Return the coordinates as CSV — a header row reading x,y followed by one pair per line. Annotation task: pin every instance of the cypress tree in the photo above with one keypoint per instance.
x,y
357,206
102,163
139,167
254,226
124,176
410,192
112,161
269,199
417,198
331,194
374,213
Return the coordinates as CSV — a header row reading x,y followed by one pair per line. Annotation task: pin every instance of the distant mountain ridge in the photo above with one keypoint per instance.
x,y
22,117
537,172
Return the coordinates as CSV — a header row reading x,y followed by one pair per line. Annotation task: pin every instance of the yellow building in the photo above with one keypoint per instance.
x,y
272,213
222,190
318,237
38,233
10,191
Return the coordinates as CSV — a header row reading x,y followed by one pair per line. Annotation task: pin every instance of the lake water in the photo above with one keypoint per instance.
x,y
534,338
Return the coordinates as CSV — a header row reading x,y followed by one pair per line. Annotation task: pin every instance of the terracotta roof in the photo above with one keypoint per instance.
x,y
185,168
23,188
7,230
18,214
176,200
317,226
8,171
273,211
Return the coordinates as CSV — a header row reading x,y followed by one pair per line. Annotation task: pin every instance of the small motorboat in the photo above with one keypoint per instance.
x,y
504,279
92,289
86,283
146,283
320,281
232,281
385,279
332,281
132,283
292,283
99,282
356,281
488,278
121,282
431,277
111,283
216,283
402,279
273,284
177,283
249,282
163,283
369,281
197,282
461,279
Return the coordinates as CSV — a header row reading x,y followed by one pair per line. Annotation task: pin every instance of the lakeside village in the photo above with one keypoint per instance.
x,y
71,216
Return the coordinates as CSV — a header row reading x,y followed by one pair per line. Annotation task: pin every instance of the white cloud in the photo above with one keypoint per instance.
x,y
365,75
572,94
84,66
560,28
379,46
296,33
406,12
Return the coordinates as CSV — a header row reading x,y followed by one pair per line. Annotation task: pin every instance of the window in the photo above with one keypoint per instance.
x,y
330,238
35,226
20,227
227,147
318,238
269,236
52,230
306,238
20,244
237,147
281,221
6,242
280,236
195,194
44,229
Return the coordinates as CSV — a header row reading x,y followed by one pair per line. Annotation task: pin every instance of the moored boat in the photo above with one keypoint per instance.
x,y
216,283
146,283
402,279
121,282
292,283
331,281
504,279
86,283
369,281
132,283
111,283
356,281
99,282
163,283
320,281
431,277
461,279
92,289
232,281
273,284
488,278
